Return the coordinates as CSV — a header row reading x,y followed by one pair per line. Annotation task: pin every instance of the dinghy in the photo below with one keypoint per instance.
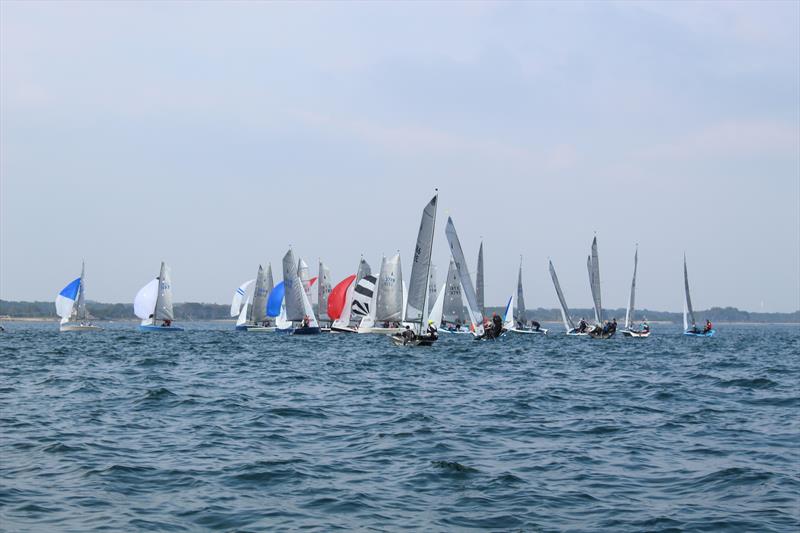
x,y
600,330
358,297
688,312
569,325
276,308
644,331
71,307
520,319
475,316
453,318
239,308
386,312
298,306
416,313
153,303
254,318
337,302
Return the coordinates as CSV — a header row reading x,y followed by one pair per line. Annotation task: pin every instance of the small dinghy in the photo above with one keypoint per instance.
x,y
253,318
351,299
644,330
153,303
71,307
298,306
474,313
519,322
688,312
601,330
569,325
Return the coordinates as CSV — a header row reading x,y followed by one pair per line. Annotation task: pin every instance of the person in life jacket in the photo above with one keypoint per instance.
x,y
709,326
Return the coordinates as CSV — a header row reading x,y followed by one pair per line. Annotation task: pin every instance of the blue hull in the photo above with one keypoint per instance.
x,y
159,328
701,334
306,331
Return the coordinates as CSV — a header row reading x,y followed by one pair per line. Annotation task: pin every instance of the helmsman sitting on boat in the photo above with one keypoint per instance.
x,y
709,326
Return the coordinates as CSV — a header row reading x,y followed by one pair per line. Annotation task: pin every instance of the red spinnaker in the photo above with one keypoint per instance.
x,y
337,297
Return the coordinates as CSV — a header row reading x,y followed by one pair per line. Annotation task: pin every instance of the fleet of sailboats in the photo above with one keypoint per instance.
x,y
382,304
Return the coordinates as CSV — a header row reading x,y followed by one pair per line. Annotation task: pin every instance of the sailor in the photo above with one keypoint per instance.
x,y
408,335
167,323
709,326
497,324
432,331
535,325
612,328
582,325
645,326
306,322
694,328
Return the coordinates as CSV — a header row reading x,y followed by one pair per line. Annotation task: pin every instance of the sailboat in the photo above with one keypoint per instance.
x,y
474,313
298,305
519,313
600,330
254,318
386,310
276,308
688,312
323,293
71,307
629,331
453,308
337,302
153,303
416,313
239,308
358,300
569,325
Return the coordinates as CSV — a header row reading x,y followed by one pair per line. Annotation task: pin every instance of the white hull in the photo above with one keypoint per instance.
x,y
635,334
577,334
540,331
343,329
380,331
80,327
261,329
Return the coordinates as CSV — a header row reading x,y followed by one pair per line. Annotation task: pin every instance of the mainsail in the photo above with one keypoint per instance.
x,y
389,302
688,297
475,315
293,288
323,291
416,308
258,312
593,266
629,312
569,325
304,274
80,307
453,311
479,281
519,313
163,309
432,290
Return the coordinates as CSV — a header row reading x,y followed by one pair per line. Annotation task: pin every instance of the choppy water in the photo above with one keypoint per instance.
x,y
216,430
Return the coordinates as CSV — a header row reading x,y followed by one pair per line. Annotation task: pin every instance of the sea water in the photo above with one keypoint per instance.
x,y
212,429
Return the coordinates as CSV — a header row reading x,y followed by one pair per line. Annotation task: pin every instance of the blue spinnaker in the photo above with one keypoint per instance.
x,y
275,300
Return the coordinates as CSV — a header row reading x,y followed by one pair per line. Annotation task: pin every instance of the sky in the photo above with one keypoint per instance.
x,y
214,136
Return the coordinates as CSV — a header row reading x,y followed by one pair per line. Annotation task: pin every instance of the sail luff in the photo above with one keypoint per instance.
x,y
568,323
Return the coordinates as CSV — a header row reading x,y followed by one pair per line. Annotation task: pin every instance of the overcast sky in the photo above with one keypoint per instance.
x,y
213,136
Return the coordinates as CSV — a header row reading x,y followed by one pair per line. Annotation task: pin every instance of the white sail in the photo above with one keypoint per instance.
x,y
688,303
438,308
520,313
323,290
363,301
508,313
238,295
145,301
163,309
243,315
685,319
416,309
475,315
593,266
479,281
629,311
258,313
453,301
65,301
568,324
433,290
294,301
281,322
308,310
80,305
389,302
304,273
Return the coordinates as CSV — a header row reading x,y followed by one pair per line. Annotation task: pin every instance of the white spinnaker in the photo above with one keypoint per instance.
x,y
294,302
281,322
164,302
243,315
145,301
568,324
475,316
238,295
389,299
309,311
438,308
453,301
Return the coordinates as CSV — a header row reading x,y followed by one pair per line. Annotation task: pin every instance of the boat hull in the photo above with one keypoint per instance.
x,y
700,334
80,327
343,329
261,329
163,329
421,340
380,331
307,331
635,334
540,331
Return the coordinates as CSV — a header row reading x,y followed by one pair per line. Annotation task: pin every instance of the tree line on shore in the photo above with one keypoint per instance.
x,y
206,311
